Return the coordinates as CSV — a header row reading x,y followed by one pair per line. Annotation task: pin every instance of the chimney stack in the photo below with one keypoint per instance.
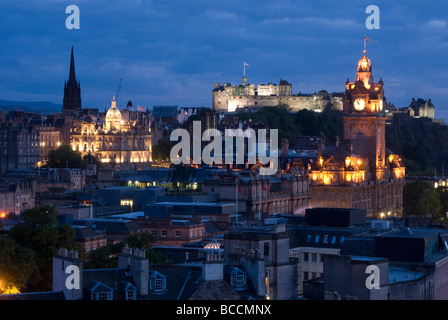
x,y
213,267
67,274
135,261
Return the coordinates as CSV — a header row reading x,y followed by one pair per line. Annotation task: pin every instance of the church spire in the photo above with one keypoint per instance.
x,y
72,89
72,74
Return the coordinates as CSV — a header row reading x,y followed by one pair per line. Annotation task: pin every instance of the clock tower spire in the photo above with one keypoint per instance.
x,y
364,121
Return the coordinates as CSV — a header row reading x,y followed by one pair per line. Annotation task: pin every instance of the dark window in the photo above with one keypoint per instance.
x,y
266,248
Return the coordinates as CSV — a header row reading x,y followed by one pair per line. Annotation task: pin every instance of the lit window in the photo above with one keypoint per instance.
x,y
317,239
308,238
103,296
158,284
130,295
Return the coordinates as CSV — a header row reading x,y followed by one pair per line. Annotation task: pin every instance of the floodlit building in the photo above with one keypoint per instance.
x,y
360,172
229,98
123,140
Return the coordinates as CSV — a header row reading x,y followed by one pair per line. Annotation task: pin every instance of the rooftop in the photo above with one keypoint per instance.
x,y
397,274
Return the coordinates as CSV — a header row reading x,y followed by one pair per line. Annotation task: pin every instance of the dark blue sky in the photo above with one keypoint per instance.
x,y
172,52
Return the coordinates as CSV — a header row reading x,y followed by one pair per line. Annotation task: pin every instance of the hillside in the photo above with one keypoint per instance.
x,y
421,143
44,107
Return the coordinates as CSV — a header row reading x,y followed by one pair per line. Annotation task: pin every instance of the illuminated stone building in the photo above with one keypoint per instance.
x,y
360,172
121,139
49,139
228,98
258,195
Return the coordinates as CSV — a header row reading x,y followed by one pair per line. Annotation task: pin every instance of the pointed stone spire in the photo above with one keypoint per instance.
x,y
72,74
72,89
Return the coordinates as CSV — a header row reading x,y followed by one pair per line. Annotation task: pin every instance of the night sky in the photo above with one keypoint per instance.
x,y
172,52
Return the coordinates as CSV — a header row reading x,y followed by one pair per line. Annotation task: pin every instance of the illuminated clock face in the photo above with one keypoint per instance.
x,y
359,104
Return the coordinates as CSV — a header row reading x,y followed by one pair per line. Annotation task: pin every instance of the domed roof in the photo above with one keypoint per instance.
x,y
113,112
364,64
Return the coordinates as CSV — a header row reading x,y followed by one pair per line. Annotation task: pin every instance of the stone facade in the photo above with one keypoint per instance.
x,y
122,141
264,254
258,195
229,98
359,172
19,146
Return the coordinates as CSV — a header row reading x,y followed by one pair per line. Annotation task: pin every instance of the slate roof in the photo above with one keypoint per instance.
x,y
103,280
215,290
82,233
110,225
181,281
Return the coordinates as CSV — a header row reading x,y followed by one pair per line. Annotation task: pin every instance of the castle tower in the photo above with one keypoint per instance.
x,y
72,89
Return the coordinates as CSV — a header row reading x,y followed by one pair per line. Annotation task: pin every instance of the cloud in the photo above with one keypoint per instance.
x,y
220,15
314,21
436,24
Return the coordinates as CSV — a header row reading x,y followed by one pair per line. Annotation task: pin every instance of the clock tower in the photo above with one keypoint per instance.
x,y
360,173
364,120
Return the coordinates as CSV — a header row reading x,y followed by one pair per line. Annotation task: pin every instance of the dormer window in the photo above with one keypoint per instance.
x,y
129,291
99,291
238,279
131,295
157,283
102,295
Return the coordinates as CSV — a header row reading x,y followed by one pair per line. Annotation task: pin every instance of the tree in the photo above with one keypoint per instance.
x,y
411,195
43,236
64,157
161,151
103,257
429,203
91,159
106,257
17,265
443,193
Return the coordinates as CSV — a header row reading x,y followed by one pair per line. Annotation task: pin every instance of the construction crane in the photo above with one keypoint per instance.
x,y
118,90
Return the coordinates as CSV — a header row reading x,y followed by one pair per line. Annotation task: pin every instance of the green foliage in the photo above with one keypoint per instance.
x,y
443,194
107,256
429,203
17,265
103,257
411,196
421,199
64,156
289,125
161,151
416,154
90,159
40,234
